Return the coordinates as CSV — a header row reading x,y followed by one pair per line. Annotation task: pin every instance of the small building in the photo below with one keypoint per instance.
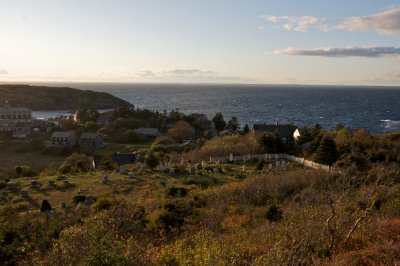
x,y
60,139
296,134
90,141
16,121
148,132
104,119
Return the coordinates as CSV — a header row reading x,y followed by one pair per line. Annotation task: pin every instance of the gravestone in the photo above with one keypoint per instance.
x,y
141,168
171,171
122,169
51,183
105,179
283,164
60,178
89,199
278,164
270,166
84,189
231,157
131,175
192,170
63,205
11,185
65,182
199,166
34,183
161,167
23,193
276,157
244,168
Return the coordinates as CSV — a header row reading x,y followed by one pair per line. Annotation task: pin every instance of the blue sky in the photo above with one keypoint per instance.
x,y
217,41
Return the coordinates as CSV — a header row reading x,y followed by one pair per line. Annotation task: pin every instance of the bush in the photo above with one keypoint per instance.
x,y
45,206
177,191
274,214
103,204
151,160
76,163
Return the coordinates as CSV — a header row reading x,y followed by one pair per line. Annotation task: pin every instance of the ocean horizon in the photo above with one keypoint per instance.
x,y
374,108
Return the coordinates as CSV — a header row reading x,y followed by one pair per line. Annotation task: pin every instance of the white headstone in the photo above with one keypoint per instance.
x,y
278,164
171,171
231,157
131,175
283,164
270,166
244,168
122,169
89,199
276,157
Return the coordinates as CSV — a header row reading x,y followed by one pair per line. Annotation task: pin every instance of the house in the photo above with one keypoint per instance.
x,y
104,119
90,141
285,131
16,121
60,139
296,134
148,132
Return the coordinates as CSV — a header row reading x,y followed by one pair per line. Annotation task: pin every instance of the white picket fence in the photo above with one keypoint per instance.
x,y
269,156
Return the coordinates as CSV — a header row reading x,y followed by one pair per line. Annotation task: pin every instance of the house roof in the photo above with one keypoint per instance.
x,y
62,134
89,135
284,130
147,131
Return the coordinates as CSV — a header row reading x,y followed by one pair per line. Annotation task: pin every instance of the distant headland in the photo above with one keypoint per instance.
x,y
58,98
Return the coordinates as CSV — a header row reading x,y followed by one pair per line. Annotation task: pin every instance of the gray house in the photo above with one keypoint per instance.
x,y
90,141
148,132
61,139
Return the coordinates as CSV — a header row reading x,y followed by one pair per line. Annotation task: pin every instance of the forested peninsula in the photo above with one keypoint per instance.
x,y
57,98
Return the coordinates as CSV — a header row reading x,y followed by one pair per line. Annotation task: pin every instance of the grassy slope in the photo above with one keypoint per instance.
x,y
57,98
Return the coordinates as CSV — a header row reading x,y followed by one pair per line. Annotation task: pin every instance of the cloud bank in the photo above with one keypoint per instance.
x,y
177,72
386,22
343,52
3,72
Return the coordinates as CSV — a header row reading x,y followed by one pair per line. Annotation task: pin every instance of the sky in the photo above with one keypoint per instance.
x,y
347,42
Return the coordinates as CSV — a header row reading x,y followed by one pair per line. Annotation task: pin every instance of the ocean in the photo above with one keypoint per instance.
x,y
376,109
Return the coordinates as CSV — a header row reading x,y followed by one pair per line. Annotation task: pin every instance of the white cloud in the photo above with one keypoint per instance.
x,y
343,52
301,24
177,72
385,22
3,72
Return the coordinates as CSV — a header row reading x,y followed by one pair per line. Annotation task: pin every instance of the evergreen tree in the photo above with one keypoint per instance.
x,y
326,152
219,121
246,129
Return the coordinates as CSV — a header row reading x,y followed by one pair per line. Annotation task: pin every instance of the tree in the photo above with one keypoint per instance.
x,y
151,160
85,115
326,152
246,129
219,121
182,130
233,123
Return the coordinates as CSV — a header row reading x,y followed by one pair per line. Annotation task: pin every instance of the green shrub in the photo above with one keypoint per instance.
x,y
274,213
177,191
76,163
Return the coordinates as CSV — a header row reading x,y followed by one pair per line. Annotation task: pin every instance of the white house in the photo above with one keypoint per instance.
x,y
17,121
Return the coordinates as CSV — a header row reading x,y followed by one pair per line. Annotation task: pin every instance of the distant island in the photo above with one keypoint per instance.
x,y
58,98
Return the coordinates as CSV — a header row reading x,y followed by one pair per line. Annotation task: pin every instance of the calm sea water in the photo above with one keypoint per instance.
x,y
376,109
